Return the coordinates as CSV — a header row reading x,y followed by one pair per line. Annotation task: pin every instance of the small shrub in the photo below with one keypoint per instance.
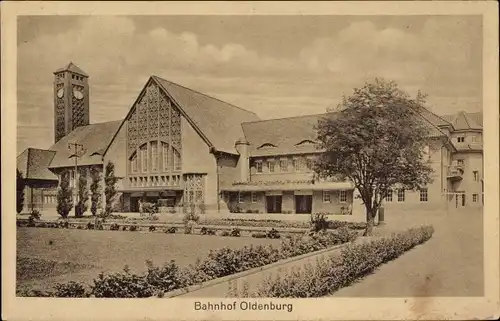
x,y
63,224
114,227
202,208
133,228
122,285
211,231
79,227
36,214
90,226
70,290
236,232
256,211
171,230
225,233
319,222
273,234
124,228
152,228
259,235
249,211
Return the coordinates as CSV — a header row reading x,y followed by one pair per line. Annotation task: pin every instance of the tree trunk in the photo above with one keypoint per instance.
x,y
370,220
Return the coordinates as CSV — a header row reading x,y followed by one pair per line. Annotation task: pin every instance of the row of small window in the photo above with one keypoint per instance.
x,y
194,196
169,157
73,76
401,195
327,197
299,164
474,139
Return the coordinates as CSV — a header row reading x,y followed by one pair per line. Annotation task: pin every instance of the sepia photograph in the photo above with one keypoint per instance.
x,y
243,161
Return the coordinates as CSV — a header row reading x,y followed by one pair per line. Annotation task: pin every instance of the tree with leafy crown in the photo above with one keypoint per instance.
x,y
110,181
64,195
20,184
95,189
83,193
375,140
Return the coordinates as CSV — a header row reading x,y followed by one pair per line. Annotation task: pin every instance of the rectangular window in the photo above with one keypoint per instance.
x,y
474,198
165,157
388,195
474,139
144,159
401,195
298,164
177,160
254,197
476,175
270,165
309,164
240,197
424,195
134,163
460,162
258,167
284,165
343,196
154,156
327,197
461,139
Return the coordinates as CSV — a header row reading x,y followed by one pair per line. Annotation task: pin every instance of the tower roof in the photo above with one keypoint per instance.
x,y
73,68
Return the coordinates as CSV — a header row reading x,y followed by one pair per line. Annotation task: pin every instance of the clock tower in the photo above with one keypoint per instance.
x,y
71,100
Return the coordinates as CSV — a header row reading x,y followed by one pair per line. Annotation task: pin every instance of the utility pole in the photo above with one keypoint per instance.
x,y
77,151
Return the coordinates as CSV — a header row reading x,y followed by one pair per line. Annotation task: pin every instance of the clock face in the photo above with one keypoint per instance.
x,y
78,93
60,93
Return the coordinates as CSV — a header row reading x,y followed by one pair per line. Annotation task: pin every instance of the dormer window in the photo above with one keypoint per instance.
x,y
461,139
266,145
305,142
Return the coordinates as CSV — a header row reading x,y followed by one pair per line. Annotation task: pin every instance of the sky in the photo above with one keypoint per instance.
x,y
275,66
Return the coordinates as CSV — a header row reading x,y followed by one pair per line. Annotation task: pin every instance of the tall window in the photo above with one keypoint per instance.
x,y
144,158
327,197
476,175
134,163
423,195
401,195
309,164
270,165
258,166
474,198
298,164
461,139
240,197
166,159
343,197
177,160
284,165
154,156
388,195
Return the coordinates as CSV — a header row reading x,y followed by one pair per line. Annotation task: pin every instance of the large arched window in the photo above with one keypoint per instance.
x,y
166,163
171,157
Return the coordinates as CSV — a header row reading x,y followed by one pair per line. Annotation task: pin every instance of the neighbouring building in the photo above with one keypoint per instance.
x,y
178,147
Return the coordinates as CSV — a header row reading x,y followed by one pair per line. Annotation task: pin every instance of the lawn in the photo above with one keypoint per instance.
x,y
60,255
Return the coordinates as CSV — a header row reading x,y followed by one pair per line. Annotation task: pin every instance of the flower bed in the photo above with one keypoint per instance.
x,y
281,224
219,263
330,274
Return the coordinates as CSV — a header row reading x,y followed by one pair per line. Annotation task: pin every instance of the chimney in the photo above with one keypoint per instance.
x,y
241,146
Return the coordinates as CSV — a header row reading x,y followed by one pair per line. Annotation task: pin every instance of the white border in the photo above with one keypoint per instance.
x,y
177,309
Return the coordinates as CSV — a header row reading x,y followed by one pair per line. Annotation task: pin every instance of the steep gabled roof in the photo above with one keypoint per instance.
x,y
220,122
287,133
464,121
33,164
73,68
94,138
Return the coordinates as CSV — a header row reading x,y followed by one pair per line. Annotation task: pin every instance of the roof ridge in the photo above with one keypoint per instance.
x,y
211,97
420,114
284,118
465,117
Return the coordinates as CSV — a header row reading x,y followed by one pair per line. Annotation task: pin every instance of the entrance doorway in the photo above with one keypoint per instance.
x,y
303,204
273,203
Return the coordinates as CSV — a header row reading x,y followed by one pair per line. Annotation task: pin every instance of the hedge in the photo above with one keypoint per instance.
x,y
334,272
218,263
281,224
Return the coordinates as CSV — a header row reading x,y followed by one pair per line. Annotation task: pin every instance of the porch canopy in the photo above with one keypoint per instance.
x,y
329,186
